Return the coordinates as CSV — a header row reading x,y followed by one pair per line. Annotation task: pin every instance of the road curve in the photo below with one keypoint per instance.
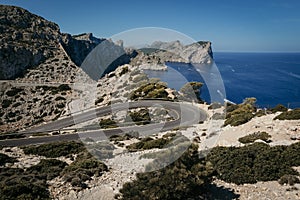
x,y
186,114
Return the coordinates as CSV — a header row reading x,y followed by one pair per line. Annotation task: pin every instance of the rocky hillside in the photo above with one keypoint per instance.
x,y
199,52
26,40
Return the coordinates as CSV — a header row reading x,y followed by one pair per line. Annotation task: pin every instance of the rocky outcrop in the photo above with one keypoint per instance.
x,y
26,40
199,52
157,54
79,46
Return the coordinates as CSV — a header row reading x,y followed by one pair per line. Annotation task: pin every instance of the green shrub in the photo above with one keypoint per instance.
x,y
288,179
55,149
278,108
141,117
99,100
14,91
124,71
82,169
240,114
101,150
255,162
63,87
255,136
183,179
47,168
289,115
149,143
150,90
238,119
6,103
6,159
108,123
59,98
17,184
191,90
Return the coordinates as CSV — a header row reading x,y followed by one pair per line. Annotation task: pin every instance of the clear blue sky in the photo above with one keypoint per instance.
x,y
231,25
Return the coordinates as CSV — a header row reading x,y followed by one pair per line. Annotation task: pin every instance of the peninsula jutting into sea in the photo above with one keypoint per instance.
x,y
92,118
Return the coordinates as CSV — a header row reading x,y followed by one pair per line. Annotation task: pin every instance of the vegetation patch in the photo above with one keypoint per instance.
x,y
17,184
289,115
126,136
150,90
108,123
240,114
278,108
191,91
6,159
183,179
254,162
14,91
150,143
255,136
55,149
47,168
82,169
101,150
289,180
141,117
6,103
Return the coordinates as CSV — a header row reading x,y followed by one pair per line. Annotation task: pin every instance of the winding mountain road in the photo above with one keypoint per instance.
x,y
184,114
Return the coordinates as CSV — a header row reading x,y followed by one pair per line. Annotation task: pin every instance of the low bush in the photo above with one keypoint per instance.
x,y
191,91
150,143
17,184
99,100
240,114
47,168
278,108
14,91
101,150
255,136
6,103
288,179
126,136
83,169
140,117
108,123
150,90
185,178
255,162
289,115
124,71
6,159
238,119
55,149
64,87
59,98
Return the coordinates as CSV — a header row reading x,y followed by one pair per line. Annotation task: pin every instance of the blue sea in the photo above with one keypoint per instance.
x,y
273,78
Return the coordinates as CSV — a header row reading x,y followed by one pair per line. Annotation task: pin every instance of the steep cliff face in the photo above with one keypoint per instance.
x,y
79,46
26,40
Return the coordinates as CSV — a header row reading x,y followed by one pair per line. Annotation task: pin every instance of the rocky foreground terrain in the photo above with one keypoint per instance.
x,y
44,78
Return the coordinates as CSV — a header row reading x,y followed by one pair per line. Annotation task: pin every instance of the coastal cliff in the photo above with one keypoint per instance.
x,y
157,54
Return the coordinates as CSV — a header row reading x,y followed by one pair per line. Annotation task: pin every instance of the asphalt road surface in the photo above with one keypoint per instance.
x,y
184,114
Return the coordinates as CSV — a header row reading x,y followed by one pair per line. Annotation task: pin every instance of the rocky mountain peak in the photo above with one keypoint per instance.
x,y
26,40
